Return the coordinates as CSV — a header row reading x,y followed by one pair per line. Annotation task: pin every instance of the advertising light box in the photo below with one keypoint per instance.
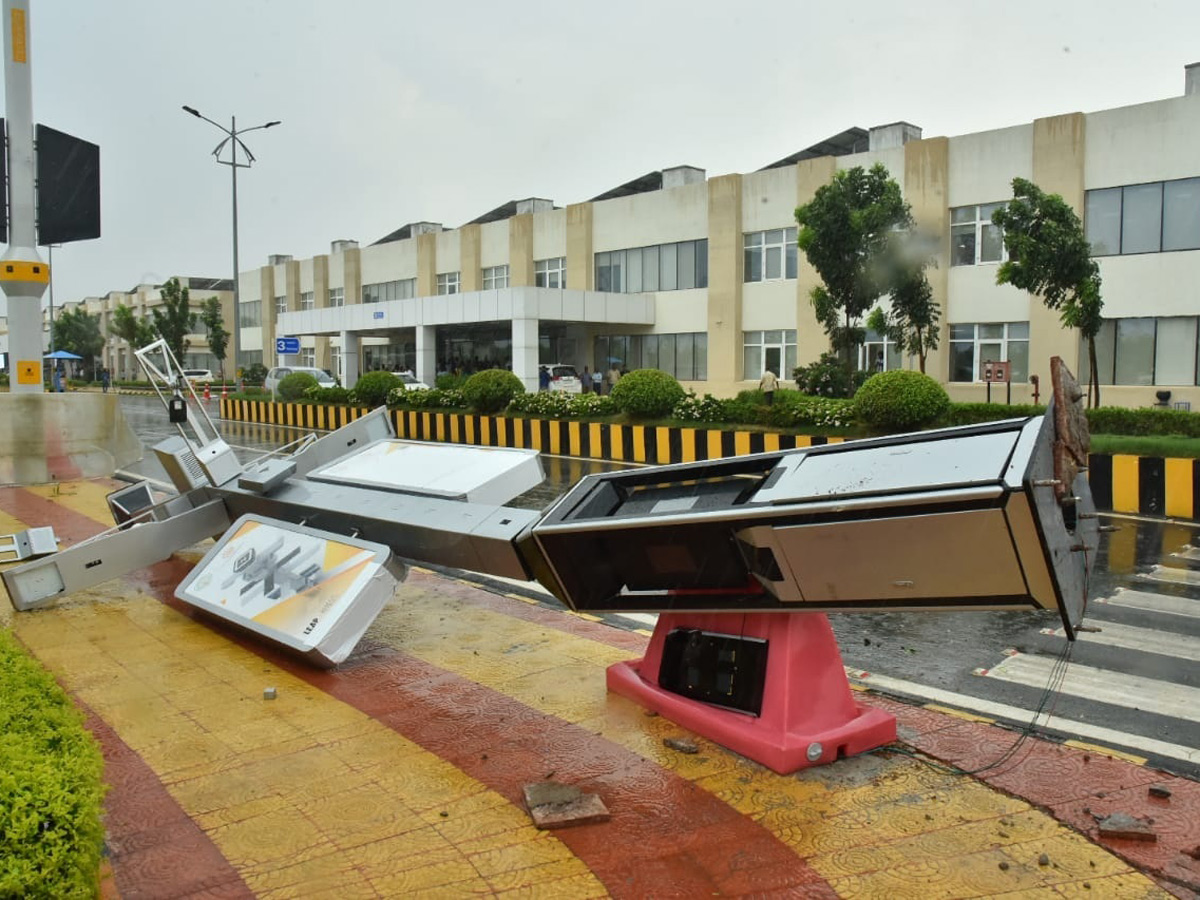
x,y
311,591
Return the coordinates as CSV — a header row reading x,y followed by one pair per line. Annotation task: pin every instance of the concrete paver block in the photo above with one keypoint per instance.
x,y
555,805
1122,825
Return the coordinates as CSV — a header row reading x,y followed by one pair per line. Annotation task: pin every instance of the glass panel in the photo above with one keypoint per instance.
x,y
701,354
554,279
1106,351
752,361
687,265
1018,330
1135,351
1141,219
1175,351
633,275
962,245
962,361
962,332
773,265
650,268
753,265
773,337
789,362
1018,355
702,263
962,214
754,239
683,357
991,243
993,331
894,359
985,211
774,236
988,352
790,271
1102,215
619,345
1181,215
600,354
650,351
617,270
667,261
603,271
666,352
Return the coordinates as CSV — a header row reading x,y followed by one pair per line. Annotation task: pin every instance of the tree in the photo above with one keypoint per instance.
x,y
214,326
912,322
1049,255
173,320
78,332
846,231
134,331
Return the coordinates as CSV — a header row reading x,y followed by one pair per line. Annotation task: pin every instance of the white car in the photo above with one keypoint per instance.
x,y
409,380
198,376
276,375
564,378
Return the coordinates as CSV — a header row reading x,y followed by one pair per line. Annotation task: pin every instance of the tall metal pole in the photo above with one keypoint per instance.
x,y
232,138
23,275
237,293
50,263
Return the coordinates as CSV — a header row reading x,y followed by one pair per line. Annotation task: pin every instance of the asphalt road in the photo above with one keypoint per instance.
x,y
1132,682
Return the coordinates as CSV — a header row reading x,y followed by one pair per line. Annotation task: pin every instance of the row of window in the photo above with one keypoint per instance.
x,y
1145,351
1144,218
389,290
662,267
683,355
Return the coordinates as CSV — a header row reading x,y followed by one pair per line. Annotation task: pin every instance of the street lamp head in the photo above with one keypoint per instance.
x,y
194,112
272,124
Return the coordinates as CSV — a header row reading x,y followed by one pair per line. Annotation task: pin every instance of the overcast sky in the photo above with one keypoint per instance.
x,y
397,112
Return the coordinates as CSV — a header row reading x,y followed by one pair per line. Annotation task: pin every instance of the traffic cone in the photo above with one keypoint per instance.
x,y
207,392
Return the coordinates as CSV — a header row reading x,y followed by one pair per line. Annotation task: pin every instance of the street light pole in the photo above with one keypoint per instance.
x,y
233,138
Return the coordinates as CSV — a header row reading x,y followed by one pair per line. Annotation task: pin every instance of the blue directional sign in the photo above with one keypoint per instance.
x,y
287,346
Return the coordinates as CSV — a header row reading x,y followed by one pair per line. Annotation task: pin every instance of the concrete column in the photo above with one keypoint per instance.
x,y
725,263
352,275
520,250
811,339
349,358
927,189
470,273
266,308
426,354
525,352
1059,145
580,271
320,264
426,265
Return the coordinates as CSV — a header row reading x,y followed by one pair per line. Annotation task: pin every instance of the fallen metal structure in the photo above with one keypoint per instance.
x,y
994,516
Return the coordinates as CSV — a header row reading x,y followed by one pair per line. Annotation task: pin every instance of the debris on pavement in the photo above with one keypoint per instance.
x,y
1123,825
552,804
683,745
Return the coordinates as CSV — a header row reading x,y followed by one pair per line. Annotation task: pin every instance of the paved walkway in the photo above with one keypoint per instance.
x,y
400,773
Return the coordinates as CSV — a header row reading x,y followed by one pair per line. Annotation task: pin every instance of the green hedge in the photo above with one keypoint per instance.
x,y
491,390
1142,422
51,785
295,386
373,388
647,394
900,400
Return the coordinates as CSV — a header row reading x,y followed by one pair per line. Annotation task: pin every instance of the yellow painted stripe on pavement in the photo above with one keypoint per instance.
x,y
297,792
1107,751
958,713
84,497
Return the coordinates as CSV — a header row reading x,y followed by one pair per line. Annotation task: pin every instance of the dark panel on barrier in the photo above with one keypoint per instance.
x,y
756,442
723,669
68,188
1100,480
675,444
728,447
1196,489
4,182
1152,486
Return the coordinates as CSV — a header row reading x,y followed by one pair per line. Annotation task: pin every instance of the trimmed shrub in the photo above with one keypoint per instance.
x,y
255,373
900,400
51,785
795,410
699,409
448,381
1143,422
647,394
491,390
561,405
335,395
373,388
295,386
827,378
975,413
434,398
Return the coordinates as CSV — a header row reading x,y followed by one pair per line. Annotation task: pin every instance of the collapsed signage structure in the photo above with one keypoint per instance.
x,y
739,556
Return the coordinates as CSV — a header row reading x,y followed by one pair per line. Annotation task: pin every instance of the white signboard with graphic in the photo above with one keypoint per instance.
x,y
311,591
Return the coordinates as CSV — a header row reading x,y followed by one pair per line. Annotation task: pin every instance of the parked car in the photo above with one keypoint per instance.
x,y
564,378
198,376
277,374
409,380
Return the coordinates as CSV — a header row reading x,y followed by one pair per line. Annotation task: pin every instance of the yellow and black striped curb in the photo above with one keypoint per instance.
x,y
1144,485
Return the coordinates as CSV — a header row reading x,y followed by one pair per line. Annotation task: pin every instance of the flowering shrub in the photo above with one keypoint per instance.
x,y
561,405
433,398
827,378
821,412
699,409
318,394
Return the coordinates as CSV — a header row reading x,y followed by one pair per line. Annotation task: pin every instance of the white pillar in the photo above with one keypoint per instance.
x,y
426,355
525,352
349,358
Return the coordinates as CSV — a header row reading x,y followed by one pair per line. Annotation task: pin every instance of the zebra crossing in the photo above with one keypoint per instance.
x,y
1135,667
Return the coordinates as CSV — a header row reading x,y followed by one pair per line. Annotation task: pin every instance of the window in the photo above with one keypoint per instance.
x,y
683,355
280,305
335,361
251,357
306,300
973,345
551,273
662,267
774,350
973,237
337,296
1144,218
447,283
769,255
495,277
1144,351
879,353
250,313
308,357
389,290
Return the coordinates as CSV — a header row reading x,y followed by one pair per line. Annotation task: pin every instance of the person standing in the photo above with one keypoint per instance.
x,y
586,381
768,384
597,382
614,375
543,379
104,380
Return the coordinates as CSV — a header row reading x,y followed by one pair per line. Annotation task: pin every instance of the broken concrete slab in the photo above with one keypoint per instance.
x,y
555,805
682,745
1122,825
